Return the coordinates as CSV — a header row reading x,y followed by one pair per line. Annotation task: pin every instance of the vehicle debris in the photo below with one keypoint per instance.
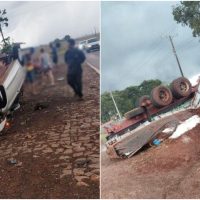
x,y
12,76
60,78
12,161
41,106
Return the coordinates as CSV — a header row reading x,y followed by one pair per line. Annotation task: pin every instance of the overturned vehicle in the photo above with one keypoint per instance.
x,y
12,76
156,113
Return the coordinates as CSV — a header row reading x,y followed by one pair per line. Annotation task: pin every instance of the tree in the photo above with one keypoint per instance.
x,y
3,22
188,13
7,46
126,99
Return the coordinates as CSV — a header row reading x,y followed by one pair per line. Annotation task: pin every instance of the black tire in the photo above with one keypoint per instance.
x,y
181,87
161,96
134,112
3,97
142,101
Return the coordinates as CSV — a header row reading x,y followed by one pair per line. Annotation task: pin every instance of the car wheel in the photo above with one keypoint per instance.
x,y
181,87
161,96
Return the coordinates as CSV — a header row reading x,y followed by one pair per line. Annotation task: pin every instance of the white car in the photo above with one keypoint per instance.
x,y
92,45
82,44
12,77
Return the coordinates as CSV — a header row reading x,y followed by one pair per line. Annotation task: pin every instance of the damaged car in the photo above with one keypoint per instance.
x,y
12,76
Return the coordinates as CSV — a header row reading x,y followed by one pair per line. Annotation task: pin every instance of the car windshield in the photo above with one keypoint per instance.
x,y
82,42
92,40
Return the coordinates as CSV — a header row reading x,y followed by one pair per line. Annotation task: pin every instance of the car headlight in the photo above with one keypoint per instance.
x,y
80,46
89,45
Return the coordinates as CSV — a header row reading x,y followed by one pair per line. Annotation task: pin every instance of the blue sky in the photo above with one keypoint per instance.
x,y
135,46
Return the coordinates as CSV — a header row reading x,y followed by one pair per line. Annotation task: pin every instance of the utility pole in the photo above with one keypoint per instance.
x,y
175,54
1,31
95,32
115,106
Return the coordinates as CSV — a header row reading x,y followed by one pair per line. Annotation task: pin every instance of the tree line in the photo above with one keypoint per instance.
x,y
125,99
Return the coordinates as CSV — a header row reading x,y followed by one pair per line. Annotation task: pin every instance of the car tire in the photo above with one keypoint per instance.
x,y
161,96
181,87
134,112
143,101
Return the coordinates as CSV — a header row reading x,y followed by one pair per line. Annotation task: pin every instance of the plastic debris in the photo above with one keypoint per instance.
x,y
156,142
12,161
186,126
40,106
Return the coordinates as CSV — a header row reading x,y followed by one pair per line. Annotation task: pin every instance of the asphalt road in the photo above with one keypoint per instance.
x,y
93,59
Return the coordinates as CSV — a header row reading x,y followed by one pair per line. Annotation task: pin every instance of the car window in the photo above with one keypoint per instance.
x,y
82,42
92,40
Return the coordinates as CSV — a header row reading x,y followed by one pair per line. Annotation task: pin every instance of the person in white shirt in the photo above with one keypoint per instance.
x,y
46,65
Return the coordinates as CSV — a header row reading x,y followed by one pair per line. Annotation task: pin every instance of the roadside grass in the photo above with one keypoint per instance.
x,y
103,137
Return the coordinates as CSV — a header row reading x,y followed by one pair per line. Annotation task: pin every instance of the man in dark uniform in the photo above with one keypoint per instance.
x,y
74,58
54,53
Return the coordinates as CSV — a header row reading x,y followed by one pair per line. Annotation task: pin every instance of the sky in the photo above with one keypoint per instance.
x,y
38,23
135,44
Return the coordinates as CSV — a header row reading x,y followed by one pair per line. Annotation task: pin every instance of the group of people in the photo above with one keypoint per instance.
x,y
43,66
38,66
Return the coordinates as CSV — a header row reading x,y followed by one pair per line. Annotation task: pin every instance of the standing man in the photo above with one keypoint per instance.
x,y
74,58
54,53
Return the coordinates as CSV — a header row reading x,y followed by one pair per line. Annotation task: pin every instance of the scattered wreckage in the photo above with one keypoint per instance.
x,y
12,76
126,137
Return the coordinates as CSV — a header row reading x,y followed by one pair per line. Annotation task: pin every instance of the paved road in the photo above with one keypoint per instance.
x,y
53,152
93,59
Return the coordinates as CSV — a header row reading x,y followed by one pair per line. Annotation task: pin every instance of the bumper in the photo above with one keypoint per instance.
x,y
93,47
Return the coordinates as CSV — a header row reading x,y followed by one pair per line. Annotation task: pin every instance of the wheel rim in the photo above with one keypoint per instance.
x,y
184,87
164,95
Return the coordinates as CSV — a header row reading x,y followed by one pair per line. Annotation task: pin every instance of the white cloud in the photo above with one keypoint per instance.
x,y
41,22
133,46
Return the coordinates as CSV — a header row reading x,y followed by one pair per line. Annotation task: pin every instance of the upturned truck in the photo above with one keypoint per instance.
x,y
127,136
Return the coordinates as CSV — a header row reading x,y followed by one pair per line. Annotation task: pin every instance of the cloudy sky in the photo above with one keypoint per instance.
x,y
135,46
41,22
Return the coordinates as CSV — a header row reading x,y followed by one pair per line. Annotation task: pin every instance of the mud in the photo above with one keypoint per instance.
x,y
171,170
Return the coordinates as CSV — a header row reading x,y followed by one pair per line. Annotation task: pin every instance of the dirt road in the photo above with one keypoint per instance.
x,y
52,148
171,170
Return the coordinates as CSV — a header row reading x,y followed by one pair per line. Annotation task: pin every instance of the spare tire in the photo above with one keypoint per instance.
x,y
161,96
144,101
134,112
181,87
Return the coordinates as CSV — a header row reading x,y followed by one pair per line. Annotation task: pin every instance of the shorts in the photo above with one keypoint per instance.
x,y
46,70
30,76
